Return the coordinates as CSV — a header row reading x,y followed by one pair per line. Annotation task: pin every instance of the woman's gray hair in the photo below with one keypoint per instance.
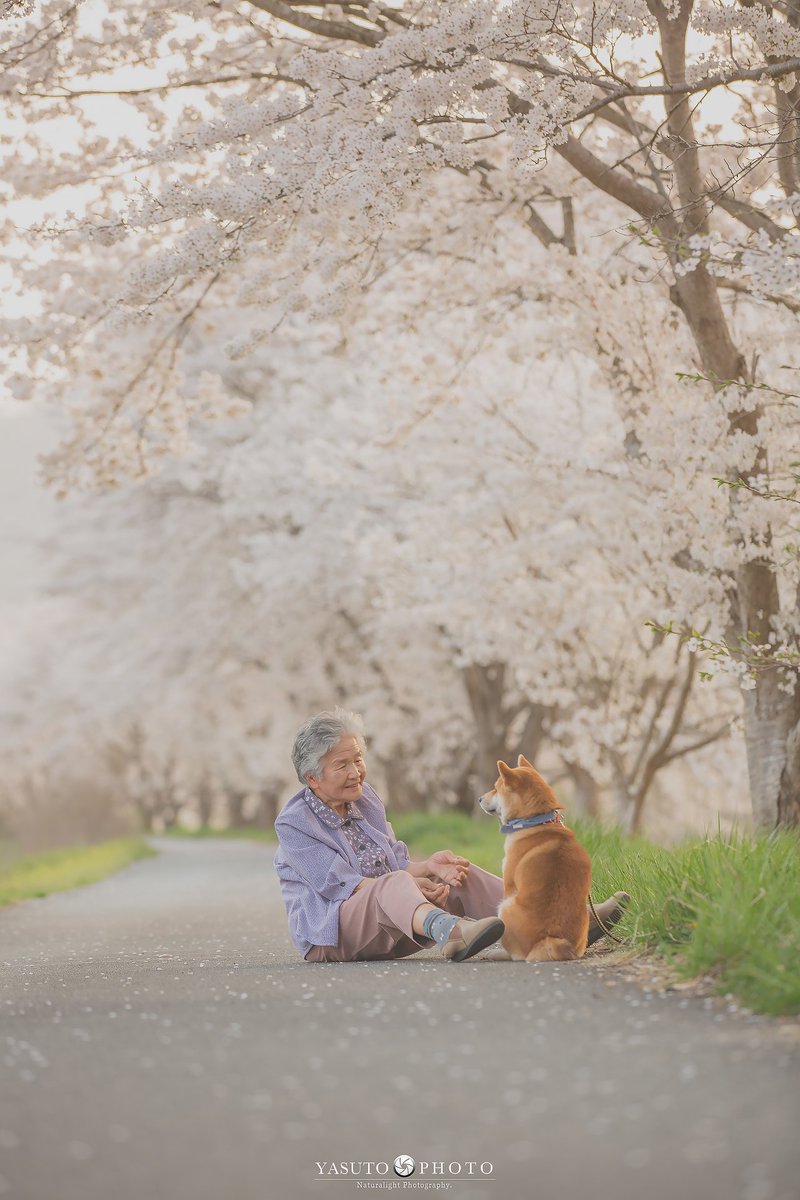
x,y
321,734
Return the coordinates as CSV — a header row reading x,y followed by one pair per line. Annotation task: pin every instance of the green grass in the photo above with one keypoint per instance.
x,y
729,907
477,840
73,866
253,833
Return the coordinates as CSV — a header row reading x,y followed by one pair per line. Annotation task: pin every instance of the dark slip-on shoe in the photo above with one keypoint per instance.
x,y
609,912
470,937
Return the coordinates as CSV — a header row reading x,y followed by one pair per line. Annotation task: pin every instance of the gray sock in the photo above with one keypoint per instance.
x,y
438,925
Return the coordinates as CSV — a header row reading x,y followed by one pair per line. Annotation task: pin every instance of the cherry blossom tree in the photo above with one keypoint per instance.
x,y
295,155
213,607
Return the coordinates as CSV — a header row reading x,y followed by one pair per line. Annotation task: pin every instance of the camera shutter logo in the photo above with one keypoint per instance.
x,y
404,1165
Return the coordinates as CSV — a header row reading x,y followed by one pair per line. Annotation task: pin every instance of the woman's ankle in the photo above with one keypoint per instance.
x,y
419,915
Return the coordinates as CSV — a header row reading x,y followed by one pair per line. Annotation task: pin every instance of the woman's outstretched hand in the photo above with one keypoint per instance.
x,y
433,890
450,868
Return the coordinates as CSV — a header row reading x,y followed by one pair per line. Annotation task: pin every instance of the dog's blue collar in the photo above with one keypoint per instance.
x,y
528,822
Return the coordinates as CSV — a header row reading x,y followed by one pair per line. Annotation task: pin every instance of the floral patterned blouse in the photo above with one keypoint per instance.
x,y
371,857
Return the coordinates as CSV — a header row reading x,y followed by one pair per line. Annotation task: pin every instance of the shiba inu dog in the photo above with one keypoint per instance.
x,y
547,874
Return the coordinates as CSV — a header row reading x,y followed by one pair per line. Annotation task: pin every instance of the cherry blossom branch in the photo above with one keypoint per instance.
x,y
763,493
70,94
646,135
388,14
736,285
635,196
750,657
341,30
173,336
698,377
707,84
708,740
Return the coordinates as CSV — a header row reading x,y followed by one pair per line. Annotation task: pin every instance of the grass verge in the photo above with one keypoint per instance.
x,y
728,907
72,866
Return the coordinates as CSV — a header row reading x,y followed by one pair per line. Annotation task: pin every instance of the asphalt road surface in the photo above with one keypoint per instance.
x,y
162,1040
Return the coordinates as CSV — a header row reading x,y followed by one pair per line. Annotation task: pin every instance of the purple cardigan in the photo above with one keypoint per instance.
x,y
318,868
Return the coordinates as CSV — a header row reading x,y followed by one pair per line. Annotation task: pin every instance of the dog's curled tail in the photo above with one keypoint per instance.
x,y
552,949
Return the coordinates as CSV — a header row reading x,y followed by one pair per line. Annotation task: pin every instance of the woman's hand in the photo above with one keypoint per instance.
x,y
450,868
433,890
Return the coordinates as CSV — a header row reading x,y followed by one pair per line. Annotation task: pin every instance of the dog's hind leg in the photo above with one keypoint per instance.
x,y
552,949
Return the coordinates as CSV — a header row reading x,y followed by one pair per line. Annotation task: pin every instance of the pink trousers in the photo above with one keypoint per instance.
x,y
376,921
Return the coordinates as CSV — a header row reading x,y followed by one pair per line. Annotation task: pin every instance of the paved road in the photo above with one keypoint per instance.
x,y
161,1040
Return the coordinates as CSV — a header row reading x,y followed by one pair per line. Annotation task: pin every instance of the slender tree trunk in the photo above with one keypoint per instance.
x,y
268,802
146,814
205,799
235,803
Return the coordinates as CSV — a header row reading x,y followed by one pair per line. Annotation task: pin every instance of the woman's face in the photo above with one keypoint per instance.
x,y
342,775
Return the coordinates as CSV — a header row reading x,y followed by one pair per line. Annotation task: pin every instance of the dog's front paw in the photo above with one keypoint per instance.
x,y
496,954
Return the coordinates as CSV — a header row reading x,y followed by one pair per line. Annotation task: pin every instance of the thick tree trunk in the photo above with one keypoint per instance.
x,y
400,794
586,791
770,722
485,687
697,296
770,713
496,729
789,794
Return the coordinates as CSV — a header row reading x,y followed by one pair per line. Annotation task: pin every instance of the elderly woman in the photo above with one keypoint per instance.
x,y
350,889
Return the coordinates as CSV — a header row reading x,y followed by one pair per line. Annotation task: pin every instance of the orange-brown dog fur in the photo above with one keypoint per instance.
x,y
547,874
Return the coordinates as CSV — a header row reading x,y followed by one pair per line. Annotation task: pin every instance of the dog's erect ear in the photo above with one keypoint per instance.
x,y
523,762
505,770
